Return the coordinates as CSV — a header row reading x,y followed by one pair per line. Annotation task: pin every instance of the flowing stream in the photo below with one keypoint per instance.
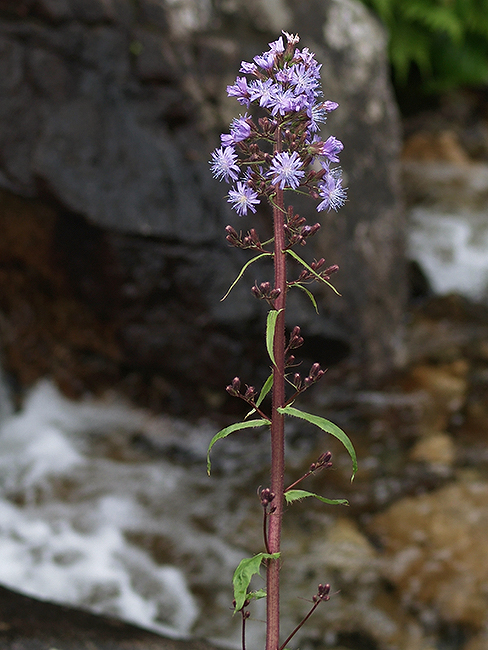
x,y
104,506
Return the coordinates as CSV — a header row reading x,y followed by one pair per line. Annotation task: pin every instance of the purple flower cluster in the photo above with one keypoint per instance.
x,y
279,151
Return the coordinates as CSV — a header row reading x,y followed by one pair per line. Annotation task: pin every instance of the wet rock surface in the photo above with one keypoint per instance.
x,y
30,624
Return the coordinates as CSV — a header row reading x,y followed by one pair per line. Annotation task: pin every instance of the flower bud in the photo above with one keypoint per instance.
x,y
250,393
256,292
316,264
323,592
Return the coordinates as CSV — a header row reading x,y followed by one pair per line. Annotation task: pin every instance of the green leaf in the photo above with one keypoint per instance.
x,y
246,265
246,569
223,433
257,595
270,331
310,269
328,427
309,294
268,384
298,495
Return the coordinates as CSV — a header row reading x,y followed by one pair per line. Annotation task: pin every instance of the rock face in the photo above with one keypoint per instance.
x,y
30,624
436,551
108,111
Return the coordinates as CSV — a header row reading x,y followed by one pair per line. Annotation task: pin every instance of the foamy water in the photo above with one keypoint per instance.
x,y
64,517
452,250
109,508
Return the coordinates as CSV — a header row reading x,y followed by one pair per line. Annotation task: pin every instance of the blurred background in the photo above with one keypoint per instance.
x,y
116,349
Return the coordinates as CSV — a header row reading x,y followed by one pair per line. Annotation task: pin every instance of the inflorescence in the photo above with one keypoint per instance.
x,y
286,84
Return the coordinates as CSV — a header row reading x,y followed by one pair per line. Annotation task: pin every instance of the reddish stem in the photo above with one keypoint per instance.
x,y
277,423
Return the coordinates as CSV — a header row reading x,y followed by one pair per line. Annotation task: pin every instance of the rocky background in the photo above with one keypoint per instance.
x,y
113,252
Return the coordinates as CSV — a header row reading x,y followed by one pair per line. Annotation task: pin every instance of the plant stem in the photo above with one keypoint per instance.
x,y
265,531
302,622
277,423
243,633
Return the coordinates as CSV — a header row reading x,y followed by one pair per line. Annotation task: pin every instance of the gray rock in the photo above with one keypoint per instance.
x,y
31,624
110,111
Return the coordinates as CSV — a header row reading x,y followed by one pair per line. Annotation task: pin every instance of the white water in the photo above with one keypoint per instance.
x,y
452,250
90,517
63,517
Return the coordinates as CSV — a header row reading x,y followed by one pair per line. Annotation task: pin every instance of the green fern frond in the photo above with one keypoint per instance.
x,y
447,40
434,18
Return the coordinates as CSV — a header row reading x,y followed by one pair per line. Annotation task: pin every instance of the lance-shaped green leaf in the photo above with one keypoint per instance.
x,y
328,427
223,433
270,332
267,386
309,294
246,569
246,265
310,269
298,495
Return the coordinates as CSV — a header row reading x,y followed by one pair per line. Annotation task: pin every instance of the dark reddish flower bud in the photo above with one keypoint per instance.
x,y
231,231
329,271
232,237
315,372
256,292
253,235
290,360
250,393
296,340
324,458
315,265
266,497
234,387
274,293
323,592
322,462
314,369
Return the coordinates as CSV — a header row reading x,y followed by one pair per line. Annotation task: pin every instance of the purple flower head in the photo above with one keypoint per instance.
x,y
284,75
317,115
240,91
331,190
223,164
305,79
243,198
277,47
292,39
262,90
285,101
239,130
266,60
331,148
285,170
329,106
306,56
248,68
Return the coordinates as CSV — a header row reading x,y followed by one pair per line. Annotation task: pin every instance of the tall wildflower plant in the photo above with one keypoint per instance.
x,y
262,160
